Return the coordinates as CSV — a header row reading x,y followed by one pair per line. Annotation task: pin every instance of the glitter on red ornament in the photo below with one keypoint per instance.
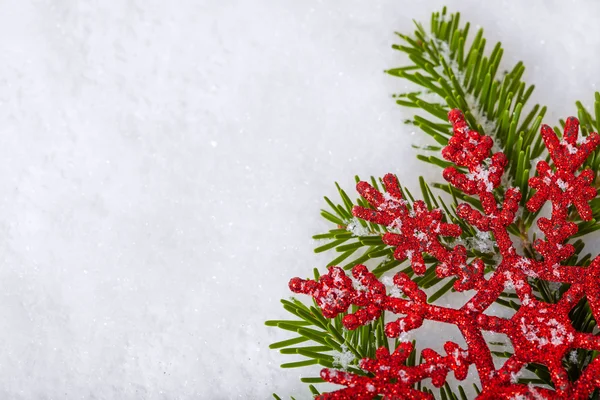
x,y
392,378
413,232
539,332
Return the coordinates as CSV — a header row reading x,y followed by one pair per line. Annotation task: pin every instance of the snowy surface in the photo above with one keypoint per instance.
x,y
164,164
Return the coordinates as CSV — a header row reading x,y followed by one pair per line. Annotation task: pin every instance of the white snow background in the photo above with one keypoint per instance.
x,y
163,166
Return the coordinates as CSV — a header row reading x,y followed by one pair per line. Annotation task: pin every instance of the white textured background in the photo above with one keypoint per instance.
x,y
163,163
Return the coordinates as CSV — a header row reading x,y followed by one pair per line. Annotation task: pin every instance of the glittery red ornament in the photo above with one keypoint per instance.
x,y
539,332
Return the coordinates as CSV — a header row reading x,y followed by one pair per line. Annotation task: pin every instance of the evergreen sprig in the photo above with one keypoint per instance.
x,y
447,74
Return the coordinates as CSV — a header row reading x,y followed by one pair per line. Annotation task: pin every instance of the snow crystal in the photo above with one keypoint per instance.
x,y
581,139
482,241
570,148
555,270
393,290
558,333
443,268
331,299
530,332
343,358
573,357
357,285
358,229
562,185
524,265
396,226
403,376
370,387
457,354
510,283
390,200
482,174
505,180
337,276
422,236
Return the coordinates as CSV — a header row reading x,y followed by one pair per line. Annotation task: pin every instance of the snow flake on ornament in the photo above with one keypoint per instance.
x,y
540,333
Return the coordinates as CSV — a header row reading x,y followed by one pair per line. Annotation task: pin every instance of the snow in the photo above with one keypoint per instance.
x,y
562,185
356,284
403,376
344,358
570,148
531,334
482,174
392,289
392,202
396,226
164,165
581,139
357,229
558,333
330,297
573,358
421,236
482,241
524,264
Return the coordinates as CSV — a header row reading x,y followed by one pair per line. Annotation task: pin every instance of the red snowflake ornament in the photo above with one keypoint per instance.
x,y
540,332
392,378
412,232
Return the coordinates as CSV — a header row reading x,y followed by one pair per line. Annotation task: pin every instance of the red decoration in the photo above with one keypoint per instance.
x,y
540,332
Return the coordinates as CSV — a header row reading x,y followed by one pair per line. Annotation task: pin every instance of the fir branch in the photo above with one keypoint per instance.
x,y
454,76
449,75
493,105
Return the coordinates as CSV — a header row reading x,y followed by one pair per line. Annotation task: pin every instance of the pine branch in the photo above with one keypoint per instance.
x,y
454,76
449,75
